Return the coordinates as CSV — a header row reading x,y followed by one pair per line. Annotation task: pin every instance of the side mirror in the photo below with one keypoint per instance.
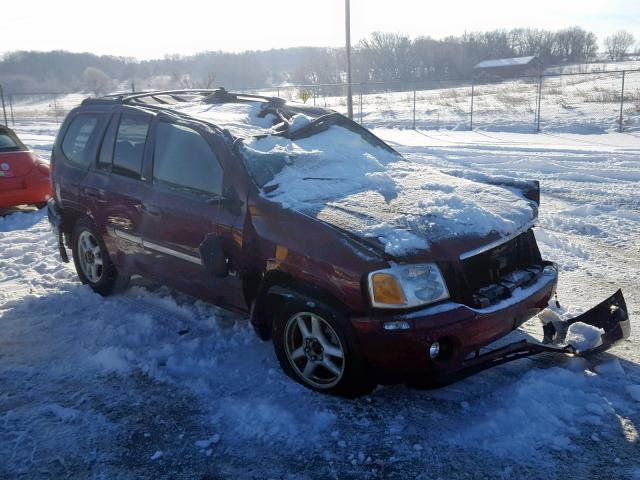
x,y
213,257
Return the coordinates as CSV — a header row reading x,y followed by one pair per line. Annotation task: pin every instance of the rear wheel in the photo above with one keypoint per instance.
x,y
315,347
92,262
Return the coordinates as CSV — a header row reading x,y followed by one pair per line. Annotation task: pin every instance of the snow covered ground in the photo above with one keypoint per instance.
x,y
152,383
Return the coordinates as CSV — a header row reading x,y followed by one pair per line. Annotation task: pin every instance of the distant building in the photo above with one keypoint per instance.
x,y
508,67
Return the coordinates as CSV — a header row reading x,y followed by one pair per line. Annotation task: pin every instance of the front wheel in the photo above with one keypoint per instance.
x,y
92,262
315,347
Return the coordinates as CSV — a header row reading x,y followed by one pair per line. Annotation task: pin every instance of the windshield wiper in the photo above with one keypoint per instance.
x,y
322,178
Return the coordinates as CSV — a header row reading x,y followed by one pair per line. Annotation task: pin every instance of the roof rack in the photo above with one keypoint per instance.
x,y
170,97
207,95
164,100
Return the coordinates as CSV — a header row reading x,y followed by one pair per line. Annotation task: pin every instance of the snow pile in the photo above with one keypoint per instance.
x,y
340,178
541,411
204,444
298,121
612,368
634,391
584,337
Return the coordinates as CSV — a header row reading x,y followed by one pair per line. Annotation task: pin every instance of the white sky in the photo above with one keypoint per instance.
x,y
146,29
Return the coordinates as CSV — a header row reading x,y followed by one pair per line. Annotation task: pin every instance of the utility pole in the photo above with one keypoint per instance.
x,y
347,21
4,110
621,104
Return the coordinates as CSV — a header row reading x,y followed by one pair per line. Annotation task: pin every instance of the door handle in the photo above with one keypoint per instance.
x,y
152,211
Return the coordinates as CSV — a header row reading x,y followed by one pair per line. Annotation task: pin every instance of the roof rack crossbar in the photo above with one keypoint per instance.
x,y
193,91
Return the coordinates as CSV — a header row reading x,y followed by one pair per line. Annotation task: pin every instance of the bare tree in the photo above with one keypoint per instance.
x,y
618,44
575,44
387,55
95,80
211,77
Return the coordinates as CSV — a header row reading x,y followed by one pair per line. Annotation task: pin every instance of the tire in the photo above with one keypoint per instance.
x,y
346,376
103,277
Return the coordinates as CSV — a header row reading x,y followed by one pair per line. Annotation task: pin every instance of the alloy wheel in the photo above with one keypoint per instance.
x,y
314,350
90,256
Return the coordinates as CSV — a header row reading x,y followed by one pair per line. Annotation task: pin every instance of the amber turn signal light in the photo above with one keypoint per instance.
x,y
387,289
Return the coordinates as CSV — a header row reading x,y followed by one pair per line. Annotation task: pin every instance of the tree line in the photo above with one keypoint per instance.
x,y
382,57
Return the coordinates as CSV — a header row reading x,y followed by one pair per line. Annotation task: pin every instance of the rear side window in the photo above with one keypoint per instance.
x,y
129,147
80,138
9,143
183,159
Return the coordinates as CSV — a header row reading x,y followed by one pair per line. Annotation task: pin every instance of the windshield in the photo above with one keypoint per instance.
x,y
328,148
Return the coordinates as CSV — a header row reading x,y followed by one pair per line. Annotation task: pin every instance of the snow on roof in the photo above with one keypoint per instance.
x,y
241,119
505,62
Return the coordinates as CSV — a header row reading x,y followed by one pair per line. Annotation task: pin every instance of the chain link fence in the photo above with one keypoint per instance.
x,y
30,108
573,103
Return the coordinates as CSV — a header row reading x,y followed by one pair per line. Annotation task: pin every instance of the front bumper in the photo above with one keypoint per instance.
x,y
459,329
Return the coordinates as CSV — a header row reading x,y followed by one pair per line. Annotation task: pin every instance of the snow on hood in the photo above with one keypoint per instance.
x,y
338,177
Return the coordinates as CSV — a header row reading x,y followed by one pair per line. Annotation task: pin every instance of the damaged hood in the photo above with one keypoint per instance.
x,y
346,180
427,209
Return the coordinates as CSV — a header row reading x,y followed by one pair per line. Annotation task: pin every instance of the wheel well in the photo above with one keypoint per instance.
x,y
69,219
268,300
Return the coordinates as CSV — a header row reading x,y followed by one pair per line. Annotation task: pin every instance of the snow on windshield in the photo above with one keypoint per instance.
x,y
342,179
241,119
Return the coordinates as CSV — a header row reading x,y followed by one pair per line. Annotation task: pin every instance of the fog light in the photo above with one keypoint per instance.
x,y
434,350
399,325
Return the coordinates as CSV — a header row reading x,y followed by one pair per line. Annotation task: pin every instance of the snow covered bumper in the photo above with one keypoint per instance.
x,y
458,329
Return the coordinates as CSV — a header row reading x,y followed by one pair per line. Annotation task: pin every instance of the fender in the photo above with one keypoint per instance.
x,y
270,296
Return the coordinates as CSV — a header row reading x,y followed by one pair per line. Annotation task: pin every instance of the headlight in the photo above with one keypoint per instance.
x,y
407,286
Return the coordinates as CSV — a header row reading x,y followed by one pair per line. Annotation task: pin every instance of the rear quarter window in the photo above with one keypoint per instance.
x,y
79,141
129,146
9,143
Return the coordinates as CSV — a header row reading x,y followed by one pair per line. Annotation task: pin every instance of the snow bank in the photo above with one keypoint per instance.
x,y
583,336
340,178
541,411
634,391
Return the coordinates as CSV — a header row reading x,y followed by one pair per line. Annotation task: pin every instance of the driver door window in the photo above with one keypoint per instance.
x,y
184,160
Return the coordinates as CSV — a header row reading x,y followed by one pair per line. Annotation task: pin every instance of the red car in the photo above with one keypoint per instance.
x,y
24,178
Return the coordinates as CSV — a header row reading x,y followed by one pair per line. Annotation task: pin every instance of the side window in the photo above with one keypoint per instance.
x,y
183,159
9,142
129,147
106,149
79,141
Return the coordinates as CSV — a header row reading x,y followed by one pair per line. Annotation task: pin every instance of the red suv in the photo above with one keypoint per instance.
x,y
363,267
